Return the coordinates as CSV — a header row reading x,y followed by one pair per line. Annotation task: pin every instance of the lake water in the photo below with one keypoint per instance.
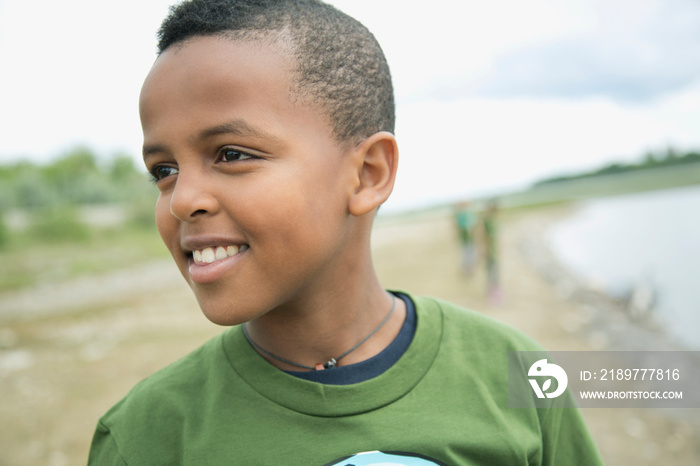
x,y
649,238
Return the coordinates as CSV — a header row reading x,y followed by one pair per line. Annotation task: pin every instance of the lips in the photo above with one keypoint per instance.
x,y
211,258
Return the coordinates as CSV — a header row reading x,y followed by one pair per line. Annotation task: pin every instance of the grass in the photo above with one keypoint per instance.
x,y
28,262
606,185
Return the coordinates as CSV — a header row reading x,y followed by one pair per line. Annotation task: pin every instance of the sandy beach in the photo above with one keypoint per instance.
x,y
59,371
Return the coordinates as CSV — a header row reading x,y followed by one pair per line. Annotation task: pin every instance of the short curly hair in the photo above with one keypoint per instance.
x,y
339,63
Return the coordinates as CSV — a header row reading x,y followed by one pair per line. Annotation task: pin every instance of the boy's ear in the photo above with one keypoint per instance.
x,y
376,161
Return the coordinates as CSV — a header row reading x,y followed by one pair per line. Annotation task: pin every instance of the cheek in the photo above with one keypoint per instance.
x,y
164,220
308,222
304,203
325,194
288,220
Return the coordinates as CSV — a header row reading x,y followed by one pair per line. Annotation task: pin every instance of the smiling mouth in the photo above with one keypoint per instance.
x,y
213,254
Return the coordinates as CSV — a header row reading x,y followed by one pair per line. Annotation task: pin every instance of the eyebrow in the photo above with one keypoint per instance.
x,y
235,127
152,149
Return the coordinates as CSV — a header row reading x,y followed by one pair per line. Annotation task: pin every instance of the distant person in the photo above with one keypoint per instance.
x,y
490,240
642,297
268,130
466,221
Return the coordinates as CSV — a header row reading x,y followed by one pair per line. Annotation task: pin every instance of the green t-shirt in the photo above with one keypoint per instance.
x,y
444,402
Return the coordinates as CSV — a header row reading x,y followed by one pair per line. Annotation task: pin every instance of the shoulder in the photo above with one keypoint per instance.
x,y
474,358
189,370
476,350
473,349
171,392
149,421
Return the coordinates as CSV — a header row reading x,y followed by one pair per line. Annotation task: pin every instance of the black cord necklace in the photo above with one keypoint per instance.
x,y
333,361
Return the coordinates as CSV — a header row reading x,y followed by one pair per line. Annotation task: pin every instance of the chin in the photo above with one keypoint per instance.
x,y
224,319
225,314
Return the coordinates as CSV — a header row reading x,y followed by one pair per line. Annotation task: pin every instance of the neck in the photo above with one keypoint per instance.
x,y
326,324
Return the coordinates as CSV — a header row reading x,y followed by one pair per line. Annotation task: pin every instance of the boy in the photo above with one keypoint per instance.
x,y
268,131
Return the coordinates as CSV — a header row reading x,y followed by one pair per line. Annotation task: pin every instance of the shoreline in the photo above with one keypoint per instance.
x,y
599,322
603,319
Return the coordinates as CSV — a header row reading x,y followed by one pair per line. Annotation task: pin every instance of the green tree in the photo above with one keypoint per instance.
x,y
77,179
4,232
122,168
58,224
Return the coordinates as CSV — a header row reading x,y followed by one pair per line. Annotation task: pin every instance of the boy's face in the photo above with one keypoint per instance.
x,y
254,189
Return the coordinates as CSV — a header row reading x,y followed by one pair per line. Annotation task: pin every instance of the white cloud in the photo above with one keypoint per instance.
x,y
72,73
624,50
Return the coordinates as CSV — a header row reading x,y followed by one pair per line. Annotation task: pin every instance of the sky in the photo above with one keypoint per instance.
x,y
490,95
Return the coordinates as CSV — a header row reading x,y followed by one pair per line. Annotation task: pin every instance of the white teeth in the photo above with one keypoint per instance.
x,y
209,255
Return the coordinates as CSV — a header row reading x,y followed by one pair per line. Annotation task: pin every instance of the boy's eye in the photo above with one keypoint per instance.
x,y
162,171
233,155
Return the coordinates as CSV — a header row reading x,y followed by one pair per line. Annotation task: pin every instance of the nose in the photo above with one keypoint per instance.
x,y
192,197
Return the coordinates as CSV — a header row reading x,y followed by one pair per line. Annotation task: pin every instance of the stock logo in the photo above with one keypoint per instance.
x,y
542,368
